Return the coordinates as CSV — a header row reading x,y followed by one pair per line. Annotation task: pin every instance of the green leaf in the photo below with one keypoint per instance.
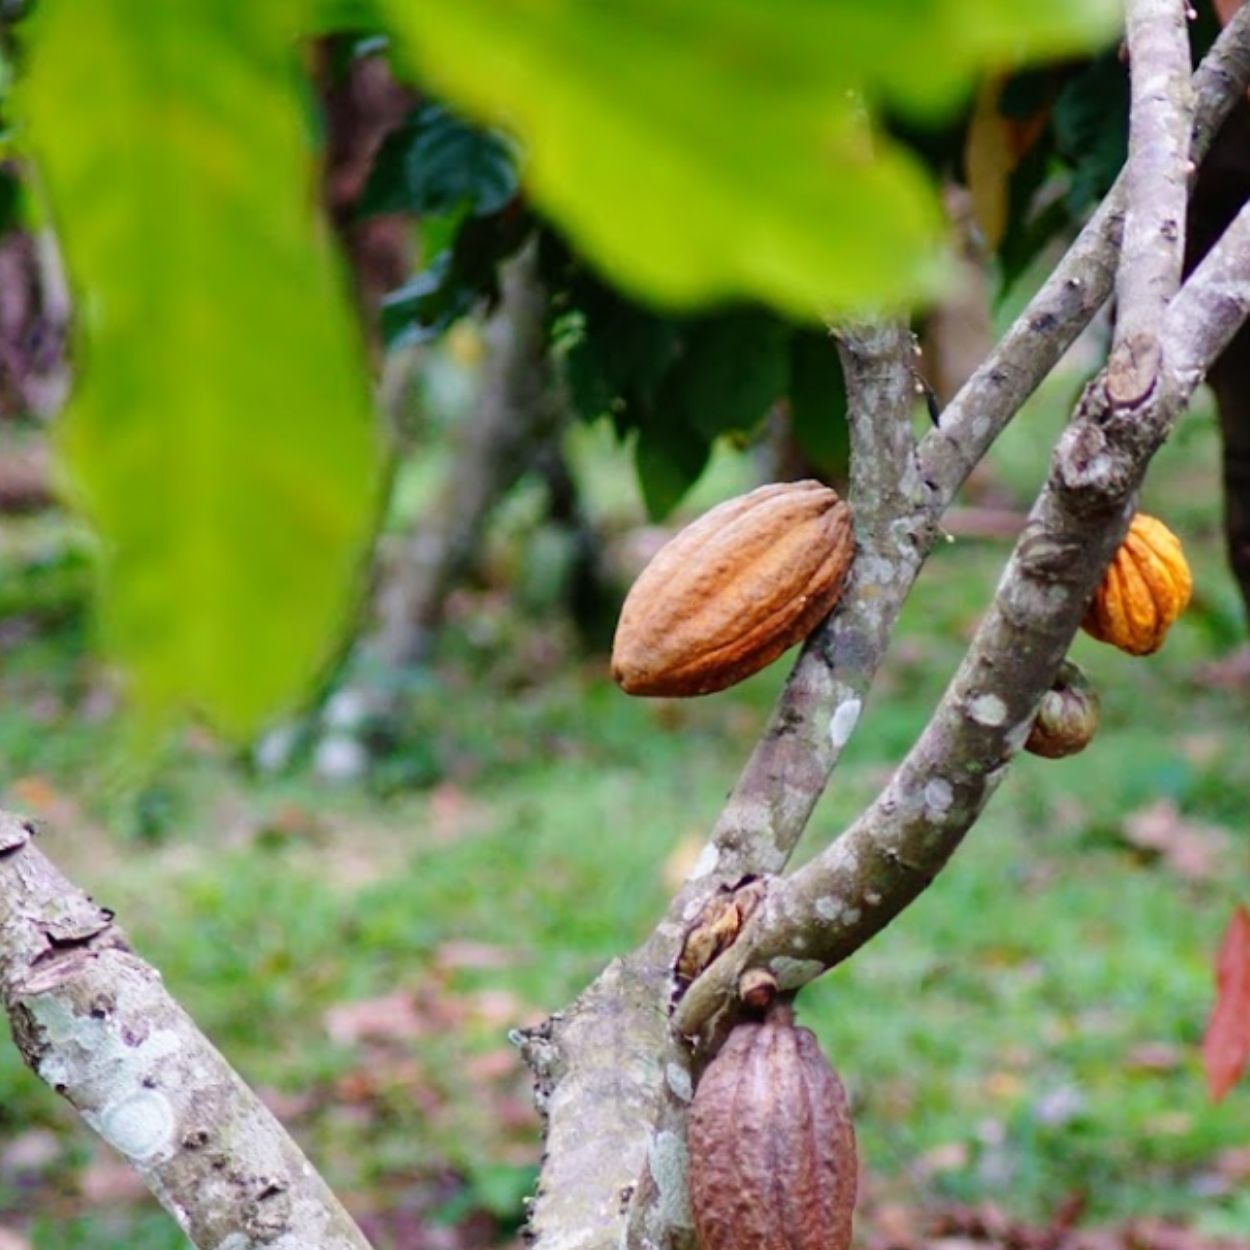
x,y
1091,129
818,403
724,147
436,163
621,352
668,460
221,438
733,367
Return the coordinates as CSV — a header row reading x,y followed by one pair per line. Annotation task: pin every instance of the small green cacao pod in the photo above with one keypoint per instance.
x,y
1067,717
772,1149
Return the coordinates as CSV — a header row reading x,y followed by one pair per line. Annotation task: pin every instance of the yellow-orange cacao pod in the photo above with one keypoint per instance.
x,y
1146,587
733,590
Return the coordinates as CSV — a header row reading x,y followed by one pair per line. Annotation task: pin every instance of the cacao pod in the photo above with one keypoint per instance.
x,y
733,590
1067,717
1145,588
772,1150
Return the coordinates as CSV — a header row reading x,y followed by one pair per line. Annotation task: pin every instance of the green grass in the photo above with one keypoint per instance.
x,y
987,1036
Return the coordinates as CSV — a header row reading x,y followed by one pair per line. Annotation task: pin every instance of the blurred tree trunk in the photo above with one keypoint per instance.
x,y
363,102
518,415
25,477
34,323
1223,187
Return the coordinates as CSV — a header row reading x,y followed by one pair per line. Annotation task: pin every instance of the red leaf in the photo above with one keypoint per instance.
x,y
1226,1047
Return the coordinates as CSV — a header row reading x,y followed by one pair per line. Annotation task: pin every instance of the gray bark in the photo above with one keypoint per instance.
x,y
95,1023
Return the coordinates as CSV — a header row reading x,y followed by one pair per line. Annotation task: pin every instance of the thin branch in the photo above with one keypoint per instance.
x,y
1208,310
96,1023
814,919
1077,288
1157,181
787,772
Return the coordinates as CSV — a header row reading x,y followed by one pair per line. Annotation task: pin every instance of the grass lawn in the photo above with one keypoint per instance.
x,y
1030,1028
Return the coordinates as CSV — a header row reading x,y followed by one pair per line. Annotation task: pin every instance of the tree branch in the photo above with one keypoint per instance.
x,y
1077,288
1157,189
815,714
95,1023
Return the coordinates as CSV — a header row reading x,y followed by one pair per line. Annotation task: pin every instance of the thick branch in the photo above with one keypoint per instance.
x,y
1074,292
1157,190
96,1023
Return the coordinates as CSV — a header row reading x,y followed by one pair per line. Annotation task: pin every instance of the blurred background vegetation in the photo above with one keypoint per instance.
x,y
391,841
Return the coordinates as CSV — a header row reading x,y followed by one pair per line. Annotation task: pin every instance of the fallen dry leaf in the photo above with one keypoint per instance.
x,y
456,954
1192,850
391,1017
1226,1046
1154,1057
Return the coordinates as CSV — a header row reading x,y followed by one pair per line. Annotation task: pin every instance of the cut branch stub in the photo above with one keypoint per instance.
x,y
717,927
732,591
772,1149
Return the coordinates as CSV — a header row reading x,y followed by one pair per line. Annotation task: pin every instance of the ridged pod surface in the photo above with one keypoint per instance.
x,y
1067,717
772,1151
733,590
1145,588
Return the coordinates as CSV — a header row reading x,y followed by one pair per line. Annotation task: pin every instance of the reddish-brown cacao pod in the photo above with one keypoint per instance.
x,y
733,590
772,1150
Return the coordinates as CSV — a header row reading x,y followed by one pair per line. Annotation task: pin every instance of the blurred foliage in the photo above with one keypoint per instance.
x,y
727,150
220,438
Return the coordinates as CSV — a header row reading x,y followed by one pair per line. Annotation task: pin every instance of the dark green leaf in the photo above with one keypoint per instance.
x,y
818,403
620,355
668,459
732,369
1091,129
436,163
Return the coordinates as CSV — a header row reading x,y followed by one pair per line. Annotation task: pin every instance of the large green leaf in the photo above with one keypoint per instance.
x,y
723,147
220,437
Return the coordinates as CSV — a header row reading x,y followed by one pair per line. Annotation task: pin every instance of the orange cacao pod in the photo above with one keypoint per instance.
x,y
1067,717
733,590
1145,588
772,1150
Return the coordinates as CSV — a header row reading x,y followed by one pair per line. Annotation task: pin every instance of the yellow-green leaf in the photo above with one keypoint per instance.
x,y
220,437
724,147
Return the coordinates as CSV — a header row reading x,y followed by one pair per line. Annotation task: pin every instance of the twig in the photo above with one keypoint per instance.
x,y
1076,289
1157,191
96,1023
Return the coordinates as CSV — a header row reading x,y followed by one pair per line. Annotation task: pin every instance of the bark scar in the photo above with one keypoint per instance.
x,y
716,929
